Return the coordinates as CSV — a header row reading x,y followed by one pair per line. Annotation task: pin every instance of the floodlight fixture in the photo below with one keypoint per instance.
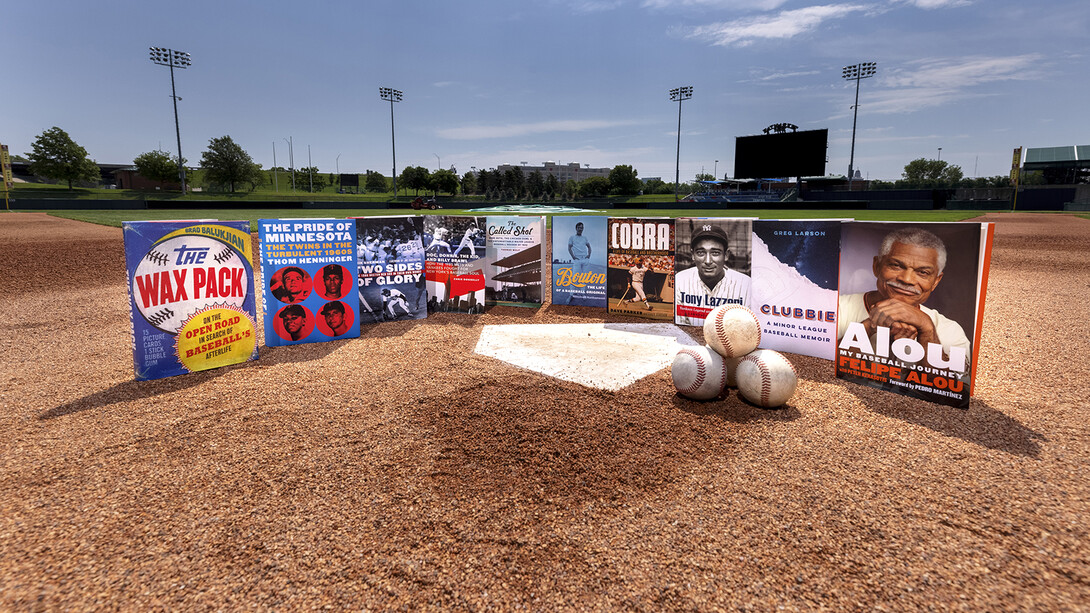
x,y
856,72
393,95
173,59
679,94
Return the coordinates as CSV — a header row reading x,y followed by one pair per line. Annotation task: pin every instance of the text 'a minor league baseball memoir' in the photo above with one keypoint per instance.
x,y
910,307
309,278
191,292
641,267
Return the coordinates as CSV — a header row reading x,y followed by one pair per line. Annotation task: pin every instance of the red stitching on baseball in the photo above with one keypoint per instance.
x,y
699,371
722,333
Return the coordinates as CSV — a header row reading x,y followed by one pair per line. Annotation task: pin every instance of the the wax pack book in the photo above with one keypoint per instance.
x,y
795,271
514,254
712,266
579,260
390,262
453,249
191,291
309,279
911,305
641,267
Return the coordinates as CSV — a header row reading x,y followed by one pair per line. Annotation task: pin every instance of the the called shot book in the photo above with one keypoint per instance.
x,y
795,271
390,264
515,252
712,266
579,260
191,290
309,277
641,267
911,305
453,249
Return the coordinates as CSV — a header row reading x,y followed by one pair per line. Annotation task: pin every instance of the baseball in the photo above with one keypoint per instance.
x,y
766,378
184,274
698,373
732,330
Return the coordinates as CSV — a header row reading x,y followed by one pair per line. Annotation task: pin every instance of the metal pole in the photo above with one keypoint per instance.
x,y
291,161
855,115
310,169
177,129
276,182
677,166
393,145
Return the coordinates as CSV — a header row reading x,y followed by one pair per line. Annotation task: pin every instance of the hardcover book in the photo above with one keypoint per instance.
x,y
191,293
453,248
641,267
712,266
390,264
308,274
579,260
515,251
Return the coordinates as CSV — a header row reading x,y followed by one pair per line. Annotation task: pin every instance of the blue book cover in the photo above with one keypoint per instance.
x,y
579,260
191,290
309,275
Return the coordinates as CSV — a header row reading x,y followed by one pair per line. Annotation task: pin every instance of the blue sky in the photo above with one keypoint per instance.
x,y
488,82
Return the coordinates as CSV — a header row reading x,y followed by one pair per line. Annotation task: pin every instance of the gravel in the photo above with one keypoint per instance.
x,y
400,470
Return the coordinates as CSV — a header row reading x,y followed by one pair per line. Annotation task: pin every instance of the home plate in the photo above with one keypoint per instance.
x,y
604,356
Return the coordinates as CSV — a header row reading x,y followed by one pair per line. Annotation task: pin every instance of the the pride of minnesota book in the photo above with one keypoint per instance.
x,y
911,306
309,278
641,267
191,290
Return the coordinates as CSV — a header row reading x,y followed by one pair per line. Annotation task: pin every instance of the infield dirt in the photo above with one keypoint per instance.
x,y
401,470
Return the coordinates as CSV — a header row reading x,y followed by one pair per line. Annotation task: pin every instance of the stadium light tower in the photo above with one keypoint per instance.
x,y
679,94
857,72
393,95
173,59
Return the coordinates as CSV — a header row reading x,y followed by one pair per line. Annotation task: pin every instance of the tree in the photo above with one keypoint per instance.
x,y
415,178
444,180
923,172
552,184
308,175
705,176
623,180
226,164
594,186
535,184
56,156
375,182
656,186
158,166
469,183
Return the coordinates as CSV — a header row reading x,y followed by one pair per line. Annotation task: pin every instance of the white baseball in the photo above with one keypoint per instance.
x,y
698,373
172,281
732,330
766,378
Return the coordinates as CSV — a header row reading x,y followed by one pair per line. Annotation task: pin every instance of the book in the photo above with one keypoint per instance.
x,y
514,253
579,260
454,246
390,264
712,266
795,273
308,274
641,267
191,293
911,303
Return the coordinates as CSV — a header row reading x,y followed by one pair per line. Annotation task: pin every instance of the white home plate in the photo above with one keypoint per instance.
x,y
603,356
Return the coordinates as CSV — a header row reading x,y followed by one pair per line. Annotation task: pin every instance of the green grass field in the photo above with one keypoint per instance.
x,y
116,217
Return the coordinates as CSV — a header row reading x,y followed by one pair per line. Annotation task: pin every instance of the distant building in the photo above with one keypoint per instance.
x,y
563,172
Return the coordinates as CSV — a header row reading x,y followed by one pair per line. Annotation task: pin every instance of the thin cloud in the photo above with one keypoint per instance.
x,y
736,5
525,129
784,25
937,4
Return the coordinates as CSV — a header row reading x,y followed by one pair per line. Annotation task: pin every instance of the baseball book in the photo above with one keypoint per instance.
x,y
794,295
191,293
308,275
910,308
514,252
390,263
453,249
579,260
641,267
711,266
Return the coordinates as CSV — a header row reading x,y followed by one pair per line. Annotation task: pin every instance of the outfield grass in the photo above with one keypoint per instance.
x,y
115,217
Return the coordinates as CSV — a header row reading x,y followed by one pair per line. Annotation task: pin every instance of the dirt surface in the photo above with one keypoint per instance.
x,y
400,470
